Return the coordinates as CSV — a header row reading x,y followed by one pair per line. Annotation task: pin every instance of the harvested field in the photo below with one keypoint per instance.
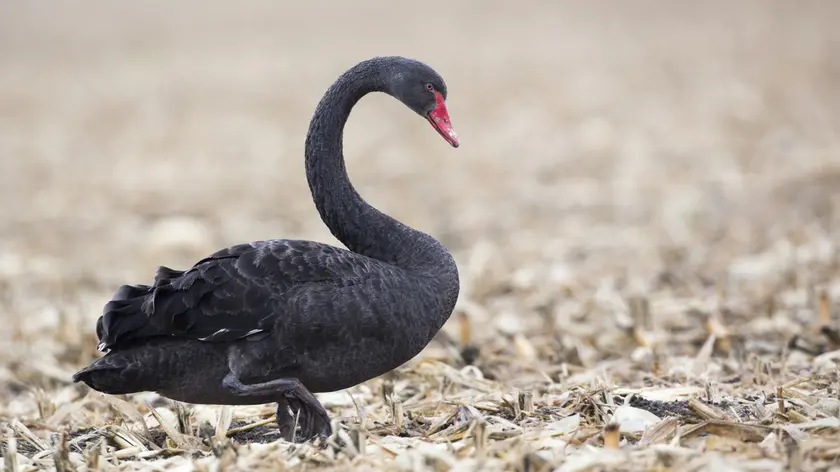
x,y
645,209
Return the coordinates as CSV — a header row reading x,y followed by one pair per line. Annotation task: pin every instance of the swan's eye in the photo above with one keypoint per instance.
x,y
430,87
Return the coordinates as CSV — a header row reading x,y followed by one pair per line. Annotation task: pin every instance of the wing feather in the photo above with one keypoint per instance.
x,y
236,292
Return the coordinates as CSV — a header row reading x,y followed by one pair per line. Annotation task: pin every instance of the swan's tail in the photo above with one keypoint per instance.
x,y
177,368
120,372
148,364
125,316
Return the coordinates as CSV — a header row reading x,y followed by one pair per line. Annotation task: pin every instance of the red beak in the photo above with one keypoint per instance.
x,y
439,118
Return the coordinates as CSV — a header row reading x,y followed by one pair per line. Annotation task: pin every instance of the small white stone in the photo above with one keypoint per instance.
x,y
509,323
643,356
634,420
567,425
828,406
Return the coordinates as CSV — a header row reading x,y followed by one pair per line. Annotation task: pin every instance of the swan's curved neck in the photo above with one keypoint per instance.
x,y
354,222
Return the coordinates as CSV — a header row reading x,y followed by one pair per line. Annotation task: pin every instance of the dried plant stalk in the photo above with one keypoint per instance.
x,y
46,407
184,415
398,416
223,424
24,433
359,437
230,432
10,461
824,308
707,412
178,438
660,432
124,438
61,454
465,329
716,328
739,431
94,454
439,424
780,399
612,437
480,437
526,401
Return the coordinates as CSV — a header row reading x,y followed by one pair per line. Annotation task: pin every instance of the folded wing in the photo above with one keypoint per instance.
x,y
236,292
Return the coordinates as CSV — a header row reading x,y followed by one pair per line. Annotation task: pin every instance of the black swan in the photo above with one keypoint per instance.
x,y
273,321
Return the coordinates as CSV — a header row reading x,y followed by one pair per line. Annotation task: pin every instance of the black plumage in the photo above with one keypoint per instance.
x,y
273,321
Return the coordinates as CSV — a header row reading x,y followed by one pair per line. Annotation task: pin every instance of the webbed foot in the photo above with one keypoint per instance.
x,y
313,422
291,395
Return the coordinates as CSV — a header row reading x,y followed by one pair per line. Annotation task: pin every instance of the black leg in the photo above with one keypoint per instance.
x,y
312,417
274,387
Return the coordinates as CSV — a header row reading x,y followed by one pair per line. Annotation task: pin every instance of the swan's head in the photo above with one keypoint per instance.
x,y
423,90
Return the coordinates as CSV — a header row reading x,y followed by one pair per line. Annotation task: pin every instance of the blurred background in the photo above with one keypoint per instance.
x,y
685,152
